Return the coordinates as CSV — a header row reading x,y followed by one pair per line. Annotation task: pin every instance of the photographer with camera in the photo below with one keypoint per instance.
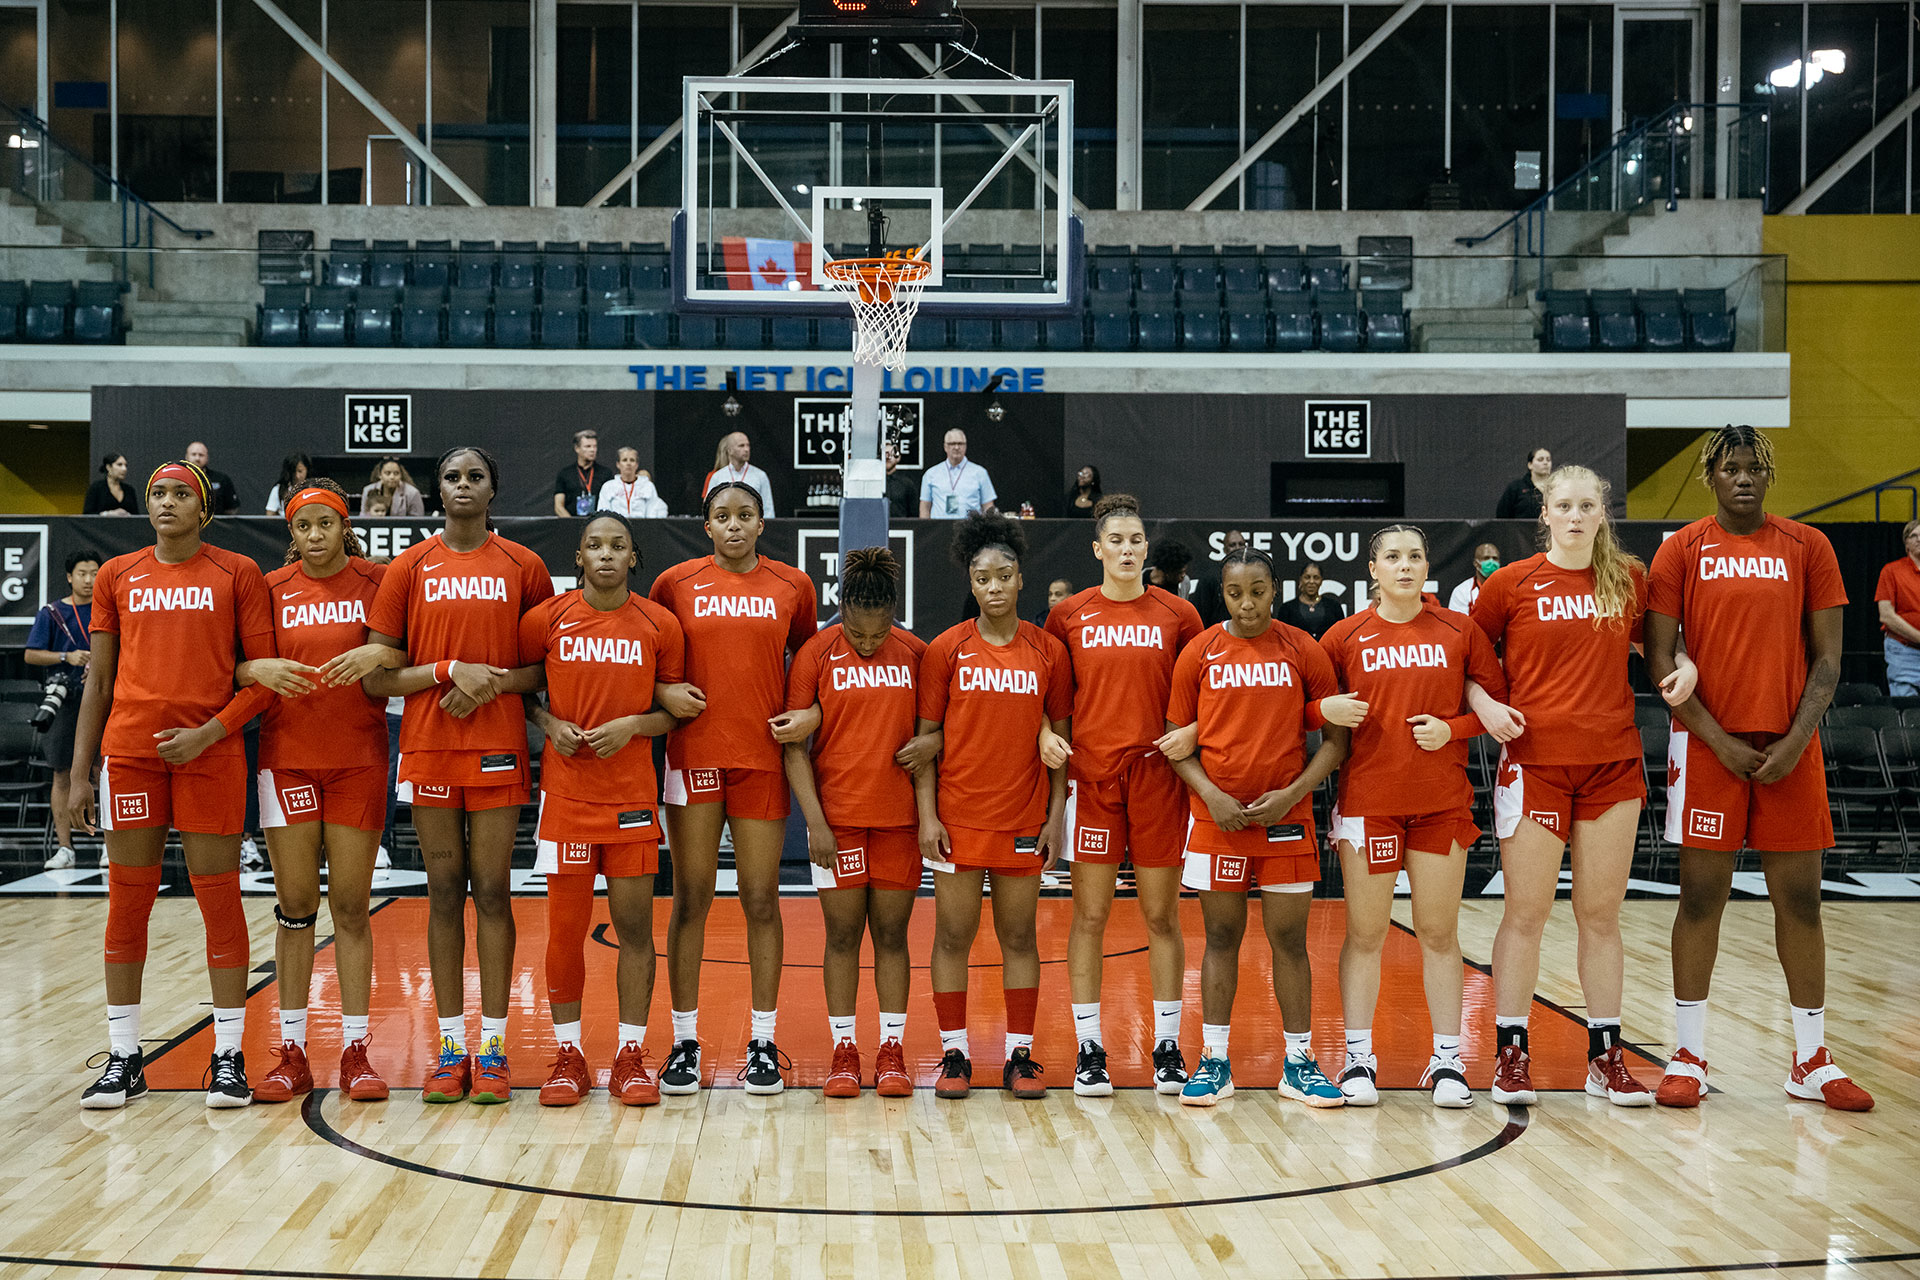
x,y
61,639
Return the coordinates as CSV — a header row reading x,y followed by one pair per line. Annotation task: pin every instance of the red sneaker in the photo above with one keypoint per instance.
x,y
631,1082
358,1080
1685,1082
1608,1077
291,1076
843,1076
1512,1084
1815,1080
451,1080
890,1078
490,1080
571,1079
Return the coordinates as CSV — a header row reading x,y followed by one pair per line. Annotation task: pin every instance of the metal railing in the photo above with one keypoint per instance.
x,y
1879,489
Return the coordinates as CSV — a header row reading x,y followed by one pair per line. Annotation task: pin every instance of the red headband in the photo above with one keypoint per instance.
x,y
325,497
190,476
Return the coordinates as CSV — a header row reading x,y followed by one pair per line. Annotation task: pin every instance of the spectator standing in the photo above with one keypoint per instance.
x,y
901,487
1522,500
1486,558
732,464
1167,567
1084,492
111,495
1206,591
293,477
1310,611
577,488
631,492
1898,598
1057,590
958,487
62,638
222,498
391,482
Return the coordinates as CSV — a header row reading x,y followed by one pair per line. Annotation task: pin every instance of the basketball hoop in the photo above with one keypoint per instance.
x,y
885,293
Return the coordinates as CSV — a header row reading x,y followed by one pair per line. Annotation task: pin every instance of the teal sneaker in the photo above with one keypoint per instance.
x,y
1212,1081
1303,1081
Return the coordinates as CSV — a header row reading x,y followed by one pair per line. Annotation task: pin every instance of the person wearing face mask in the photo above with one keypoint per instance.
x,y
1486,558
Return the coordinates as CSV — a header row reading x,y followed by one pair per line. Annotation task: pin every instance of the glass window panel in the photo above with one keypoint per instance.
x,y
1842,105
1499,100
19,58
78,35
1398,134
382,44
1083,45
1583,85
273,107
1189,120
592,81
1290,49
167,149
1770,42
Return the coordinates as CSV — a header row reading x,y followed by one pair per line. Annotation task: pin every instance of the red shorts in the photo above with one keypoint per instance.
x,y
747,793
1385,841
1002,852
1284,858
1558,795
207,796
1139,812
614,861
419,769
355,797
564,818
1709,808
884,857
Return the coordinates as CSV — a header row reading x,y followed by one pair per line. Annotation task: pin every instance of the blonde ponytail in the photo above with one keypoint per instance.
x,y
1613,564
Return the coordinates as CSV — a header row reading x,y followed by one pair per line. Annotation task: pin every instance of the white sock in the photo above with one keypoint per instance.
x,y
454,1029
762,1020
1166,1020
353,1028
567,1032
1690,1026
893,1026
686,1025
1213,1039
839,1029
1018,1042
493,1034
123,1028
633,1033
1809,1031
293,1027
951,1040
1446,1046
228,1027
1359,1042
1299,1045
1086,1022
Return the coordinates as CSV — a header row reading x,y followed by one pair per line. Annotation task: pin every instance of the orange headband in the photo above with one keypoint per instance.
x,y
189,475
325,497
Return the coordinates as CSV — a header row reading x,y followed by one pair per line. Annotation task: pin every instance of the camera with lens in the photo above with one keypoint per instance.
x,y
54,693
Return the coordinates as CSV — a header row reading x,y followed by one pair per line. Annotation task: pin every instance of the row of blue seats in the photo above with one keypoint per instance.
x,y
1636,320
61,311
481,264
1237,272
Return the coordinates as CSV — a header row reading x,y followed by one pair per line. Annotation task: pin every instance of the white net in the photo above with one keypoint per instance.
x,y
885,293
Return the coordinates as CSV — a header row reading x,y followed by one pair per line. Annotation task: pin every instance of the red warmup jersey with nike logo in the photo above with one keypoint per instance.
x,y
1743,602
314,621
602,666
740,628
465,606
181,629
1123,654
1402,669
1566,675
1250,699
868,708
991,700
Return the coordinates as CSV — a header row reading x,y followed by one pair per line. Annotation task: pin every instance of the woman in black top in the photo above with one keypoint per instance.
x,y
1084,493
1310,611
111,495
1522,500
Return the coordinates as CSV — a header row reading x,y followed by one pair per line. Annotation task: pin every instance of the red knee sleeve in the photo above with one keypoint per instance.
x,y
950,1009
1021,1004
130,895
219,899
569,914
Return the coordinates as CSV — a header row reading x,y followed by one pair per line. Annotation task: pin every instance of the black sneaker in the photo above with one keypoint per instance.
x,y
1021,1076
1169,1068
956,1076
764,1062
681,1073
124,1079
1090,1078
226,1081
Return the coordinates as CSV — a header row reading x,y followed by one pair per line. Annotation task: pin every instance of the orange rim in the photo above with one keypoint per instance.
x,y
878,270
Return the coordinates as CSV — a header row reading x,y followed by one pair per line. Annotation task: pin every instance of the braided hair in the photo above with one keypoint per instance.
x,y
869,580
1721,442
486,460
354,546
984,531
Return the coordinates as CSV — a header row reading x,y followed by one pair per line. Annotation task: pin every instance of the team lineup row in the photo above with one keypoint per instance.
x,y
1122,729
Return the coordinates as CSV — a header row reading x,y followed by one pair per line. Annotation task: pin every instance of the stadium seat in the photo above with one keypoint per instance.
x,y
1066,333
560,267
746,333
696,332
1326,269
370,323
1159,329
1709,323
606,267
929,333
1241,278
1110,277
1615,326
1858,694
1876,716
346,263
649,266
519,265
513,311
1112,325
1565,322
1341,328
423,316
607,315
467,316
1663,326
1292,321
1857,778
96,311
276,321
1198,280
1154,281
973,335
1199,330
1020,335
327,315
387,265
1153,251
1247,328
562,313
476,265
1286,270
49,307
432,263
13,297
792,333
652,314
1386,314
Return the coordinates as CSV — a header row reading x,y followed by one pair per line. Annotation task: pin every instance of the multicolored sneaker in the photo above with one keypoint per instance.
x,y
1211,1083
1608,1077
1090,1078
1302,1080
289,1078
1685,1082
681,1072
631,1082
890,1078
491,1076
1448,1076
226,1081
124,1079
1512,1081
452,1077
1818,1080
843,1074
1169,1068
570,1081
1359,1080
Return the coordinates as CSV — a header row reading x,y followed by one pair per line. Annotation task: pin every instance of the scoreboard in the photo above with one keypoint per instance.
x,y
850,20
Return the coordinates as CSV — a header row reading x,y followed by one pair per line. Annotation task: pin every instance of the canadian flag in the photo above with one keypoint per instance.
x,y
753,263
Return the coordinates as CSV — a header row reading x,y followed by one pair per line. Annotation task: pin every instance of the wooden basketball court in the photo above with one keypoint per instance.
x,y
727,1184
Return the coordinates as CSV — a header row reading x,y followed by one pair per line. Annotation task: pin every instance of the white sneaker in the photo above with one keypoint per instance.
x,y
103,856
250,853
1357,1081
1448,1076
62,859
381,862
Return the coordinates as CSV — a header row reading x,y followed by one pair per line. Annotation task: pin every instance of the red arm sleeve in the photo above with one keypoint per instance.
x,y
1667,580
1190,624
536,584
1483,667
106,604
1825,588
1317,670
936,669
388,616
1059,680
803,680
806,614
534,625
1637,611
671,661
1490,608
662,592
253,620
1183,701
1882,590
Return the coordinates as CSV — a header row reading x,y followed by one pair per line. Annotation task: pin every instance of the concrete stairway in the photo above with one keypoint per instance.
x,y
38,247
1439,330
151,323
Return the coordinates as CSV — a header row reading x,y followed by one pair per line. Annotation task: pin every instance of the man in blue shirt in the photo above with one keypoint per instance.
x,y
958,488
62,638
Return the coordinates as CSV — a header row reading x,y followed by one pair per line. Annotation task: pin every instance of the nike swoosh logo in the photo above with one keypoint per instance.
x,y
431,567
1364,639
136,577
567,626
1542,586
1085,616
963,656
1212,656
1708,546
835,657
291,594
701,586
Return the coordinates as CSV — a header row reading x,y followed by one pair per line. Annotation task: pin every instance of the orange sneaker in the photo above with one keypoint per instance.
x,y
490,1077
571,1079
451,1080
289,1078
1021,1076
1815,1080
1512,1083
890,1078
631,1082
1608,1077
1685,1082
358,1080
843,1076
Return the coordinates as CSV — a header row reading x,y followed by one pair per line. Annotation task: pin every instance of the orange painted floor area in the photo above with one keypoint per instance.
x,y
403,1027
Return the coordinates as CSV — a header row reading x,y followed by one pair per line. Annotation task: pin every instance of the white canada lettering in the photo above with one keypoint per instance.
x,y
882,677
1122,637
1556,608
1249,675
602,649
322,613
998,680
473,588
169,599
1772,567
1388,656
734,607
